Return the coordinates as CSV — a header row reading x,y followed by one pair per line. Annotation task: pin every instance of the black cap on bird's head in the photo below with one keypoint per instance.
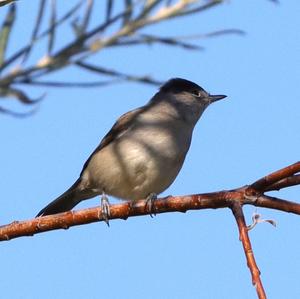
x,y
178,85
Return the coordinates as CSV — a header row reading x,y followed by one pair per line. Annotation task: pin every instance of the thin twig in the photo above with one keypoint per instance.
x,y
244,238
109,9
18,114
114,73
36,28
129,8
71,84
276,203
286,182
52,32
263,183
150,39
87,16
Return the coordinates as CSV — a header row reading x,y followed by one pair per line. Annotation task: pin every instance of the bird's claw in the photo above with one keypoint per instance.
x,y
105,208
150,204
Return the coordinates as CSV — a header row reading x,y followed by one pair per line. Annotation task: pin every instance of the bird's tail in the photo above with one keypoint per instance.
x,y
65,202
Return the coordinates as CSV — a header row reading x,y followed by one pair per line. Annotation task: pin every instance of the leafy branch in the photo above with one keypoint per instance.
x,y
121,26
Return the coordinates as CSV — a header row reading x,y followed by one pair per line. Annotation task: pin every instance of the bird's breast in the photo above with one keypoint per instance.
x,y
144,160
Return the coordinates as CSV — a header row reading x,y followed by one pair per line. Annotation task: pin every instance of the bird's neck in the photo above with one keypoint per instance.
x,y
186,110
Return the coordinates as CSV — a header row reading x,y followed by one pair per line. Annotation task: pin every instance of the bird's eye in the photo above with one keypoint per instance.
x,y
196,93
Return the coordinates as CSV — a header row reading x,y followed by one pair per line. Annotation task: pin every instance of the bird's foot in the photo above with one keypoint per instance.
x,y
150,204
105,208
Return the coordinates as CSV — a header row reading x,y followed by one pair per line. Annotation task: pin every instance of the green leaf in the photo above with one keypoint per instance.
x,y
6,30
5,2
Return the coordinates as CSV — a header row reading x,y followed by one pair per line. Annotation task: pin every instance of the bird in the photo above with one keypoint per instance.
x,y
143,152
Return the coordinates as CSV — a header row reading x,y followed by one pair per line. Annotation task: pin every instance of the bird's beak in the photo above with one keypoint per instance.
x,y
214,98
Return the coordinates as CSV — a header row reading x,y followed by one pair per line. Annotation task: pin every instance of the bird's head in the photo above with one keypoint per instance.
x,y
188,88
186,94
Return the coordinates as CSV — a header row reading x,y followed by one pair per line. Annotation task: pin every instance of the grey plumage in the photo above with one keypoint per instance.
x,y
144,150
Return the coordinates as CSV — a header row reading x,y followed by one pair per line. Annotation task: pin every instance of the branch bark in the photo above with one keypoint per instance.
x,y
244,238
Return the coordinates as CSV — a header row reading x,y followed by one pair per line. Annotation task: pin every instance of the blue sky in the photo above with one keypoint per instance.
x,y
193,255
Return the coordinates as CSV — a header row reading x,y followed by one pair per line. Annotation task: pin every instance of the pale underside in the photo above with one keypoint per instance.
x,y
145,159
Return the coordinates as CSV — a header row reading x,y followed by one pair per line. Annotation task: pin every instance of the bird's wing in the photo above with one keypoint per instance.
x,y
120,126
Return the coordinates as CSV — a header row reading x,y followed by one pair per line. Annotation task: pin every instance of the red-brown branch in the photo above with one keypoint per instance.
x,y
212,200
275,203
263,183
244,238
118,211
284,183
233,199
